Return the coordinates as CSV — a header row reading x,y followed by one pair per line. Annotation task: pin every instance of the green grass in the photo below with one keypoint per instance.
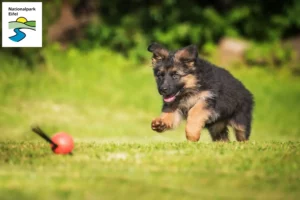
x,y
106,103
27,25
30,23
256,170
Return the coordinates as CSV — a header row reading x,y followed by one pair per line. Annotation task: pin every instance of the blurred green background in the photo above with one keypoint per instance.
x,y
93,78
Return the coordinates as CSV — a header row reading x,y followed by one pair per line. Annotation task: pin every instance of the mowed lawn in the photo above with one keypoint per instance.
x,y
166,170
107,103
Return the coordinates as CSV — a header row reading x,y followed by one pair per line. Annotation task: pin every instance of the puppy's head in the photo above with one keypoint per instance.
x,y
174,71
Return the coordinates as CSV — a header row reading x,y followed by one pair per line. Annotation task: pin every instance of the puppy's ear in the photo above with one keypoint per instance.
x,y
159,52
187,55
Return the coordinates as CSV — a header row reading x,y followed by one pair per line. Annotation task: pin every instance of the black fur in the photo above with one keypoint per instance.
x,y
230,102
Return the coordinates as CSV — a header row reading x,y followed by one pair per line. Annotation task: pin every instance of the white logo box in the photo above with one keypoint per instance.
x,y
21,24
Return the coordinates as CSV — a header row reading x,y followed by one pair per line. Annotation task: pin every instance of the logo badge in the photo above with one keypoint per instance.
x,y
21,24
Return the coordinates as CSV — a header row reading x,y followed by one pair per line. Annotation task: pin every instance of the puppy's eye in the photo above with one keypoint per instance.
x,y
175,76
160,75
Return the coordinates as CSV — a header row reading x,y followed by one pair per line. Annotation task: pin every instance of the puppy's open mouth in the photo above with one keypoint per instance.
x,y
171,98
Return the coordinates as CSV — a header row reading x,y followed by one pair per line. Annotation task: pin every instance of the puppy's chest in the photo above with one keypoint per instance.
x,y
186,104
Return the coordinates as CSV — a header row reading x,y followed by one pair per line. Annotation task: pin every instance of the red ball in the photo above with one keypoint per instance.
x,y
65,143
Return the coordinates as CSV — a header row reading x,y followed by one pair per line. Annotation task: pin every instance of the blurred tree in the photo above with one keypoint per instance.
x,y
128,26
73,17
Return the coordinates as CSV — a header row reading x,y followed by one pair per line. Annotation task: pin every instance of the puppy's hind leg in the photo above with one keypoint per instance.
x,y
219,131
241,123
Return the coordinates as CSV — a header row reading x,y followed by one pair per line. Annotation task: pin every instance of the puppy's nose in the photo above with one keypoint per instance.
x,y
163,90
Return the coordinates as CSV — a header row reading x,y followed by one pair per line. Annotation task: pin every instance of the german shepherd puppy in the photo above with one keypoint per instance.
x,y
200,92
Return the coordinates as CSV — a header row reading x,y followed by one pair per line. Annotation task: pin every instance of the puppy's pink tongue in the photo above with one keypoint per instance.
x,y
169,99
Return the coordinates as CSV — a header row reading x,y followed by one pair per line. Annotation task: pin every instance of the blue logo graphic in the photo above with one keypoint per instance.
x,y
20,23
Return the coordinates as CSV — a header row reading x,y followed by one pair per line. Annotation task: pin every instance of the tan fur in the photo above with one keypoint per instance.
x,y
190,64
198,114
190,81
153,61
167,120
192,100
239,131
172,119
206,95
174,70
183,54
196,119
161,54
240,135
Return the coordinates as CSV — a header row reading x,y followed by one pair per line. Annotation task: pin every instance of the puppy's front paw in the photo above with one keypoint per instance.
x,y
158,125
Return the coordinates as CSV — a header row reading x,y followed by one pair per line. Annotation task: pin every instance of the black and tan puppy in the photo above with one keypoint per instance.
x,y
203,94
